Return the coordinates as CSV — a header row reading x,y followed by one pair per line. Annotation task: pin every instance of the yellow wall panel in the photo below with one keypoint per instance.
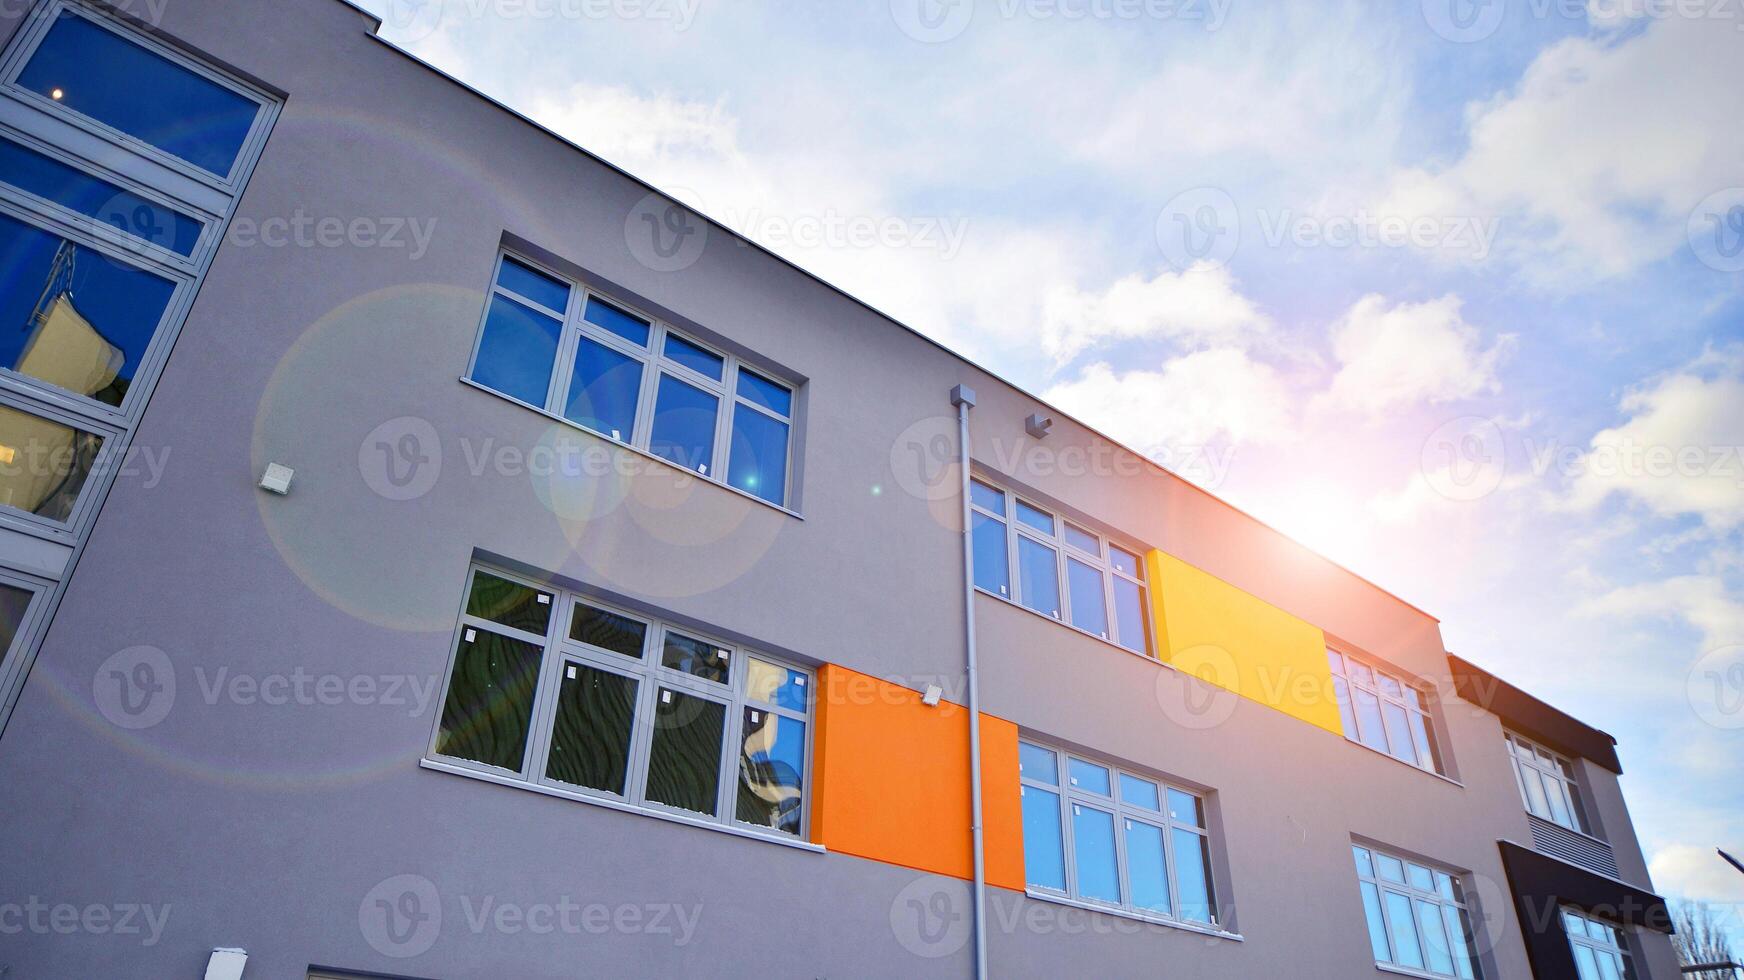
x,y
1215,631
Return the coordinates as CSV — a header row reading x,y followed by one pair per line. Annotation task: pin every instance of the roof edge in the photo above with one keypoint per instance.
x,y
1533,717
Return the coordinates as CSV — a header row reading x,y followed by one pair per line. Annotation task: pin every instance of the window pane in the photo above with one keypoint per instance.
x,y
94,197
14,603
758,390
1444,887
509,603
684,352
1044,859
1403,931
757,458
1364,864
1035,762
1192,876
43,464
1139,792
992,562
1039,576
1553,796
1147,871
1459,940
1083,540
771,768
1041,520
1368,716
684,761
1586,963
1185,808
1398,732
775,684
1423,739
1089,603
1335,660
684,425
119,83
696,657
533,284
626,325
603,390
1419,877
1607,966
1391,868
1389,685
490,699
517,350
1377,925
983,495
590,737
1087,777
1093,852
1129,616
1535,800
608,630
1124,561
1346,713
1435,945
74,318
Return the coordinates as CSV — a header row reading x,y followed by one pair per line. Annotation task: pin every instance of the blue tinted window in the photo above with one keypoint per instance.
x,y
1093,849
691,356
1092,778
1129,615
1184,808
1035,762
985,496
1404,931
603,390
1124,562
992,562
93,197
760,390
626,325
517,350
1147,870
757,459
1089,604
145,95
775,684
1044,855
1377,924
1039,576
771,767
533,284
1192,881
72,317
1041,520
684,425
1139,792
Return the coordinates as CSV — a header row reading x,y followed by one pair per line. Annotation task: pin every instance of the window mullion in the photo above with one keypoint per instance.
x,y
728,404
643,435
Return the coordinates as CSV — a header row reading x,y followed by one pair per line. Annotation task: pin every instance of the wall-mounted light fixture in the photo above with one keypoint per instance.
x,y
1038,426
277,478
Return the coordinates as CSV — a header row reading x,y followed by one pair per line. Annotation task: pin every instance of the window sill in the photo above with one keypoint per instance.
x,y
1013,603
515,783
1156,920
1405,971
1407,765
645,454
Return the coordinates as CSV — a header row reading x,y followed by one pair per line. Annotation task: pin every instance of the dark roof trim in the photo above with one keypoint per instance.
x,y
1542,886
1531,717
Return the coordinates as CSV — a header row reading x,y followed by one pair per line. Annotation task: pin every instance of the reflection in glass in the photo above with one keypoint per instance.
x,y
516,351
684,762
774,684
1377,923
490,699
1039,519
696,657
590,738
1088,777
509,603
1035,762
72,317
14,602
757,457
1093,852
43,464
705,363
684,424
141,93
771,768
626,325
759,390
1138,792
607,630
603,390
1404,931
534,285
94,197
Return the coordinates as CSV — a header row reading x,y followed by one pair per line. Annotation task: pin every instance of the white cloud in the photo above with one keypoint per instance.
x,y
1702,601
1408,353
1695,870
1202,304
1681,450
1596,158
1195,399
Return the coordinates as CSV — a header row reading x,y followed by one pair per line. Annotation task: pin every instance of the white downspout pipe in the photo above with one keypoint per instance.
x,y
963,397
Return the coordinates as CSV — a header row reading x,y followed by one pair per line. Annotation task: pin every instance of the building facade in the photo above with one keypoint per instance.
x,y
509,573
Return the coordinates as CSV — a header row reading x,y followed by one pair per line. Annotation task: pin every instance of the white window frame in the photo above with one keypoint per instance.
x,y
35,547
1458,903
1388,688
1554,774
1123,812
1064,551
1612,944
654,363
557,650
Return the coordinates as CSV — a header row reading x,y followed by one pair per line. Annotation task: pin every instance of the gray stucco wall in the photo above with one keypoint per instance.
x,y
267,826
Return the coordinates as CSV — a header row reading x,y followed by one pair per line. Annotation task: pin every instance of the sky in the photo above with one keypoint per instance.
x,y
1450,290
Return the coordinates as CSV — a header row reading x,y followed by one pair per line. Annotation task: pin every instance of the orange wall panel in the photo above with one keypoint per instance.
x,y
891,780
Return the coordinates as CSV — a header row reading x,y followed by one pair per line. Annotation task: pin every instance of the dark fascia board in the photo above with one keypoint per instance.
x,y
1531,717
1542,886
